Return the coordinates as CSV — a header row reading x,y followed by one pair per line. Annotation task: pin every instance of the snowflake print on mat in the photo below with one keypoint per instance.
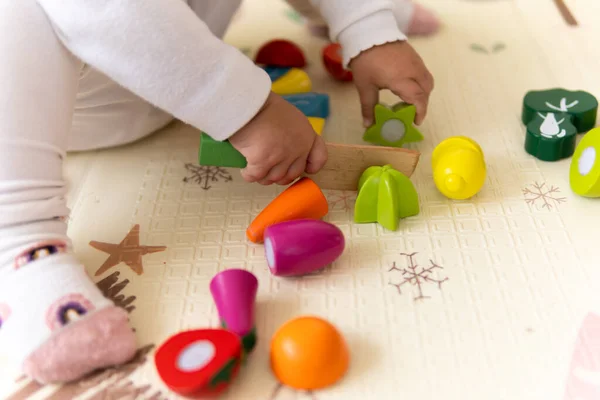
x,y
205,175
416,275
341,200
540,195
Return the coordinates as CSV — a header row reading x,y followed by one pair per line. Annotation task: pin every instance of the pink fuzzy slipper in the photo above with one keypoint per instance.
x,y
423,22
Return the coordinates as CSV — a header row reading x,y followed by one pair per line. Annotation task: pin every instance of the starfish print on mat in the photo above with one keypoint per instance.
x,y
128,251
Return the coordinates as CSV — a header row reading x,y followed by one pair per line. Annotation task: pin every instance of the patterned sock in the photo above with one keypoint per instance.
x,y
54,321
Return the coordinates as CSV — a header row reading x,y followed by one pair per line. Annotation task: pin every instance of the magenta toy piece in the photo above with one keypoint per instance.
x,y
234,294
299,247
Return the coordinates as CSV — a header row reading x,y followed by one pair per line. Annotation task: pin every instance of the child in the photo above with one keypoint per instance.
x,y
89,74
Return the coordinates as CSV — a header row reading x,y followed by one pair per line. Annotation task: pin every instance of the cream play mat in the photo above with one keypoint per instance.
x,y
492,298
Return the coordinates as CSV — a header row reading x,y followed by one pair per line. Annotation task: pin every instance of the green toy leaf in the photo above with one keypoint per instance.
x,y
365,208
551,136
580,105
368,173
394,126
385,196
408,202
387,205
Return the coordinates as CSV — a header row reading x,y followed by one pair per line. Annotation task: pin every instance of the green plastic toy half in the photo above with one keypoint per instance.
x,y
385,196
394,126
584,174
551,136
580,105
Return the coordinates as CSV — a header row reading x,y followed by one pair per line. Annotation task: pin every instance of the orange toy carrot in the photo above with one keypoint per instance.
x,y
302,200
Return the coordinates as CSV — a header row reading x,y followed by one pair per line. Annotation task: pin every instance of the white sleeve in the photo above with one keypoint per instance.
x,y
358,25
161,51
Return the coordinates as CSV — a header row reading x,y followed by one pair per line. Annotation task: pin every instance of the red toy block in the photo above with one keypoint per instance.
x,y
199,363
332,60
281,53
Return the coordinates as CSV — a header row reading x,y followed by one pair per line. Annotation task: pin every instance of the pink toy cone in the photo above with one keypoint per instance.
x,y
299,247
234,293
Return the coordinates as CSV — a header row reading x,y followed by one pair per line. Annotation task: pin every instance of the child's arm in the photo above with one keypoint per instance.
x,y
161,51
376,50
356,24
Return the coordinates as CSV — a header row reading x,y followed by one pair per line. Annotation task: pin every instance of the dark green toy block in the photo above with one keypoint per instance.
x,y
219,154
551,136
580,105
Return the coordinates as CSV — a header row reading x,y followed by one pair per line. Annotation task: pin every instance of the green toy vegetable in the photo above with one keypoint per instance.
x,y
384,196
393,126
551,136
580,105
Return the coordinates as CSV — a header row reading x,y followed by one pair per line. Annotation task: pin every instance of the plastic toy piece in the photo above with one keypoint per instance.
x,y
300,247
294,81
344,167
551,136
200,362
385,196
459,169
309,353
302,200
311,104
584,174
582,106
276,72
332,60
281,53
234,294
393,126
317,124
219,154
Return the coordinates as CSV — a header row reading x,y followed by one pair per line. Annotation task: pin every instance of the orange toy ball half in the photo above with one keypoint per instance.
x,y
309,353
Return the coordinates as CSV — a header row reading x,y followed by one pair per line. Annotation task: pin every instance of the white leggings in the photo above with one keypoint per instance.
x,y
50,103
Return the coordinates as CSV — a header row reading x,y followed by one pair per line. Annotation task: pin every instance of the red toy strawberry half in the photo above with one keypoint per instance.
x,y
200,362
332,60
281,53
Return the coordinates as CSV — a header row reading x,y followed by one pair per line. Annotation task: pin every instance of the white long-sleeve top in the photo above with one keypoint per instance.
x,y
169,52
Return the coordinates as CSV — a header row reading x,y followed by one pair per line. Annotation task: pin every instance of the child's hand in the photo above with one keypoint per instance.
x,y
395,66
279,144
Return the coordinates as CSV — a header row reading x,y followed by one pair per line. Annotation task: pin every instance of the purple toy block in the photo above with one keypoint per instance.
x,y
299,247
234,294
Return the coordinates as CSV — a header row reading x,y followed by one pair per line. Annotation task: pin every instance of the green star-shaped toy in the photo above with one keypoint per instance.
x,y
394,126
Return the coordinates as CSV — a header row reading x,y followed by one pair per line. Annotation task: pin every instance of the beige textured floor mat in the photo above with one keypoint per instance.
x,y
507,281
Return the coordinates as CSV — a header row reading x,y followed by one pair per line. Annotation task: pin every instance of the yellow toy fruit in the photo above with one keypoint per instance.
x,y
584,174
293,82
309,353
459,169
317,124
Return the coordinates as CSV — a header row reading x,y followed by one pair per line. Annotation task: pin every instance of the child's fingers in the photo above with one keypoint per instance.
x,y
427,82
254,172
275,174
369,97
294,171
411,92
317,156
